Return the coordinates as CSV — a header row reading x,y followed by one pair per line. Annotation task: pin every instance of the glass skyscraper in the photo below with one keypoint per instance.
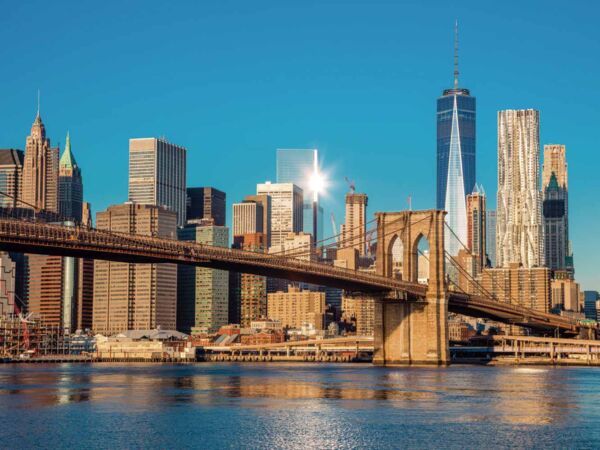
x,y
298,166
455,157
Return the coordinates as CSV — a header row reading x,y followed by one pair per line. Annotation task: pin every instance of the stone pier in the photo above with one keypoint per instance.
x,y
412,331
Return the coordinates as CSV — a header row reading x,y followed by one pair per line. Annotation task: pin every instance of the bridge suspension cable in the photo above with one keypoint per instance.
x,y
495,283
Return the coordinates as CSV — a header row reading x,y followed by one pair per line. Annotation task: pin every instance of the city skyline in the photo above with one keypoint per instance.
x,y
356,160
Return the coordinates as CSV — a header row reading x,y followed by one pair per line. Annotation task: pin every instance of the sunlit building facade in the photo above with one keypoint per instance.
x,y
286,209
298,166
157,174
130,296
519,229
40,169
11,177
353,230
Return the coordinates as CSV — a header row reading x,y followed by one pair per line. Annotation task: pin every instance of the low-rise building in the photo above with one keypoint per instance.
x,y
359,311
296,307
263,337
146,345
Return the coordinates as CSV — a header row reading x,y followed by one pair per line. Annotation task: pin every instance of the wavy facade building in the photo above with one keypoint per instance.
x,y
519,228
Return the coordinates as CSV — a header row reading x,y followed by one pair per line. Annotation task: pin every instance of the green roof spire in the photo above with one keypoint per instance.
x,y
553,183
67,160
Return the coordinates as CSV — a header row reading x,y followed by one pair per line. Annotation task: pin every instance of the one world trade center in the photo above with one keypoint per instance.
x,y
455,157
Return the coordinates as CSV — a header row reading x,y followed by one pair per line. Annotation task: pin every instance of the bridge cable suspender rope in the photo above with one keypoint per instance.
x,y
302,252
334,244
491,296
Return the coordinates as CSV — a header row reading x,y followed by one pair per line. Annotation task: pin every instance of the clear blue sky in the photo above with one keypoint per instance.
x,y
232,81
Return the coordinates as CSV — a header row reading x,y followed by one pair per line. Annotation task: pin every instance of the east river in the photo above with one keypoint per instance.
x,y
299,406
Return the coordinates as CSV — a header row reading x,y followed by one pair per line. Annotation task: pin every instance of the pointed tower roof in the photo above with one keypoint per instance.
x,y
553,183
67,160
38,118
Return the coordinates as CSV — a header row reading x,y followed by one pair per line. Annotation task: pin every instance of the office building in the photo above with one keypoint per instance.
x,y
353,230
490,237
11,177
46,287
519,229
456,173
40,169
476,227
157,174
85,294
286,209
359,311
252,288
203,294
206,203
265,202
527,287
70,186
8,280
564,292
60,290
248,218
296,245
86,214
295,308
300,167
555,187
135,296
589,306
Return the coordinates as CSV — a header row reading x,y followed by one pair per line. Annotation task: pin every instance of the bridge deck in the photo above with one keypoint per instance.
x,y
42,238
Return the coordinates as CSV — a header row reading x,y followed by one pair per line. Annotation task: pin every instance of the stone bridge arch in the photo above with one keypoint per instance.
x,y
409,332
409,227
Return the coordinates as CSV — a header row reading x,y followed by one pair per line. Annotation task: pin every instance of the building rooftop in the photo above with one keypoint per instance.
x,y
11,156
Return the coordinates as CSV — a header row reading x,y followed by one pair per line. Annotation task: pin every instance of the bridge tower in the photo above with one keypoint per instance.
x,y
412,331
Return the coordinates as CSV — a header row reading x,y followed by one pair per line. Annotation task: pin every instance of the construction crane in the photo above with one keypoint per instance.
x,y
351,185
334,228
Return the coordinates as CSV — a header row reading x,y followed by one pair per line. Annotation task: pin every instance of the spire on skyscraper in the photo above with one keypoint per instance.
x,y
37,116
456,54
67,160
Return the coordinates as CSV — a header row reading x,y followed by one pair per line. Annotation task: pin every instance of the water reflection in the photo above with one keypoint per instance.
x,y
289,403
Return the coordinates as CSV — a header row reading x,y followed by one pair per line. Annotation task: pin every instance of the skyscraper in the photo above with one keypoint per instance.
x,y
476,227
247,218
60,289
131,296
589,304
206,203
11,177
353,231
202,294
40,169
555,188
490,234
455,156
265,201
157,174
8,281
70,186
519,230
300,166
286,209
252,288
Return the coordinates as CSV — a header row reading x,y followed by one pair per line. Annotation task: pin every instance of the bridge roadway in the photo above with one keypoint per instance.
x,y
25,236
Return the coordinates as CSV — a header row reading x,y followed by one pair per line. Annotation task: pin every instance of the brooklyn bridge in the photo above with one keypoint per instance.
x,y
410,318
